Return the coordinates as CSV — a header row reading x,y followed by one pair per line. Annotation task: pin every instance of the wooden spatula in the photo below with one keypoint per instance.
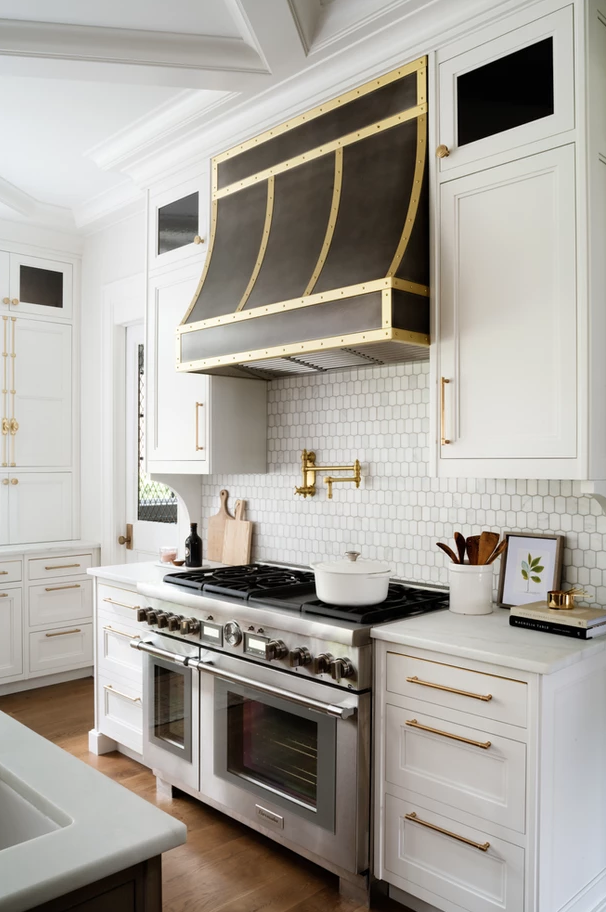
x,y
473,548
497,552
216,530
448,551
488,542
238,538
461,544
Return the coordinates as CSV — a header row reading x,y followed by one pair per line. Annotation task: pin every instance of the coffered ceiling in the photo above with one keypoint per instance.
x,y
83,83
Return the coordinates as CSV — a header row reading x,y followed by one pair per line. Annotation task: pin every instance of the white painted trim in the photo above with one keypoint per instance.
x,y
105,209
99,743
45,681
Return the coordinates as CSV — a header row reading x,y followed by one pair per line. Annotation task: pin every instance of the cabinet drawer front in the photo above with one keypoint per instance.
x,y
119,603
443,864
10,572
11,642
60,602
472,692
53,566
120,711
486,778
114,653
65,647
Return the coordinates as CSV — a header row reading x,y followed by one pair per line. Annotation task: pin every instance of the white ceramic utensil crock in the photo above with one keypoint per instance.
x,y
352,582
470,588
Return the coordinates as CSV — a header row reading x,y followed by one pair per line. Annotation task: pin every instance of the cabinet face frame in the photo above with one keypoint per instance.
x,y
559,26
41,310
160,197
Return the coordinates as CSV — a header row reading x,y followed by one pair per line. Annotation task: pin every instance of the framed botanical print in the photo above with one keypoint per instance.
x,y
530,568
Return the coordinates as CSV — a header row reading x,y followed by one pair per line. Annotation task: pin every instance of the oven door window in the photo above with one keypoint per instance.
x,y
170,723
279,751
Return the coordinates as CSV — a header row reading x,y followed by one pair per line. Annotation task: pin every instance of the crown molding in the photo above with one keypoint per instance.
x,y
109,207
26,208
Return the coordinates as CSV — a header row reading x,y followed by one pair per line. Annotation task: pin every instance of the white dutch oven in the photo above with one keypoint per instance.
x,y
352,582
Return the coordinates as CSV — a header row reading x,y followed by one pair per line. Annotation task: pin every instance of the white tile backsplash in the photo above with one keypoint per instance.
x,y
381,416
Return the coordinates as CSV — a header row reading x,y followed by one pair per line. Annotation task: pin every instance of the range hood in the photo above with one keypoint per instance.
x,y
319,245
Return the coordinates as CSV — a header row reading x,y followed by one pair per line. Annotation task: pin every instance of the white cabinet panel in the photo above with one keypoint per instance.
x,y
40,506
57,650
507,334
11,571
51,567
11,641
41,286
42,400
4,509
120,711
114,653
4,280
58,603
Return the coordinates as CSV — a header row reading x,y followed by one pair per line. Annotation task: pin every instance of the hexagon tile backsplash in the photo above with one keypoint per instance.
x,y
381,416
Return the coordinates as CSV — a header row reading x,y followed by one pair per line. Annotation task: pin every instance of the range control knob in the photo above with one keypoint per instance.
x,y
341,668
151,616
142,615
300,656
233,634
275,649
322,662
190,625
162,619
174,622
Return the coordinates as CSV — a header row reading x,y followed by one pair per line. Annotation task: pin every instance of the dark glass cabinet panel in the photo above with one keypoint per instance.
x,y
177,223
169,707
40,286
506,93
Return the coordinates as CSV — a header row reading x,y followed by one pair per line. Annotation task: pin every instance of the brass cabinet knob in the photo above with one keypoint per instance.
x,y
15,301
198,239
5,481
442,151
6,300
14,481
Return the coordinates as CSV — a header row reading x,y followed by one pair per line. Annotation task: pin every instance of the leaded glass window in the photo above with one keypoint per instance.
x,y
156,502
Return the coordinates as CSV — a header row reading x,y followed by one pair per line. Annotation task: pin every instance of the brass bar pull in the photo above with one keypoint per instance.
x,y
443,383
63,633
61,566
3,594
121,604
436,731
119,693
452,690
3,572
57,588
199,405
482,846
129,636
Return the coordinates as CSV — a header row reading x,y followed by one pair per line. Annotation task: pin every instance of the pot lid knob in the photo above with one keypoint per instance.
x,y
352,555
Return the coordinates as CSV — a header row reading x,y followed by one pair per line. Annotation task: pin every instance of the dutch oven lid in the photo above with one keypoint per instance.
x,y
352,566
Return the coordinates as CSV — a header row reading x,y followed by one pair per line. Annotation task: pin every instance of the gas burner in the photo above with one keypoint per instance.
x,y
402,601
248,581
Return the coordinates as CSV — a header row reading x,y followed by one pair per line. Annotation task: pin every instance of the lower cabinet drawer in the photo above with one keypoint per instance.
x,y
120,603
10,572
462,767
120,712
114,653
432,854
60,649
59,603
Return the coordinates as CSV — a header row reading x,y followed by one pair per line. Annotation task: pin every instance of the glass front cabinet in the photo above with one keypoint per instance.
x,y
36,285
177,223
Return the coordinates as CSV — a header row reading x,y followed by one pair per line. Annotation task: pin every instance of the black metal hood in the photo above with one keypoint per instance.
x,y
319,248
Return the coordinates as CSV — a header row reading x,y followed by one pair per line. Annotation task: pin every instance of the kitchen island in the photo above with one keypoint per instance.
x,y
69,834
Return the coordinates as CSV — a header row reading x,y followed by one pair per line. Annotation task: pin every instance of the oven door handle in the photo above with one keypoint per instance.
x,y
329,709
159,653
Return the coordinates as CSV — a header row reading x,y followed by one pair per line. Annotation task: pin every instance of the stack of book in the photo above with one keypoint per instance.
x,y
582,623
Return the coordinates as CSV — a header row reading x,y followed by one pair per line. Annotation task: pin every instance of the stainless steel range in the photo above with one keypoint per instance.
x,y
258,701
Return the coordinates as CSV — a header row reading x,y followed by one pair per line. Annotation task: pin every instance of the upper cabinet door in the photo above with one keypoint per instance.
x,y
5,288
508,322
40,507
40,286
177,223
507,92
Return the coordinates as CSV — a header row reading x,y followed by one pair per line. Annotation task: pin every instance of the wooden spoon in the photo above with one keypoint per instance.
x,y
448,551
473,548
497,552
461,544
488,542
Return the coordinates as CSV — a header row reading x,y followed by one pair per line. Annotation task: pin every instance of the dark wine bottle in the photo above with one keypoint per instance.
x,y
193,548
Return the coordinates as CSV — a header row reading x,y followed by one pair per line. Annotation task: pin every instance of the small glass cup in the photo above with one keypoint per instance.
x,y
168,554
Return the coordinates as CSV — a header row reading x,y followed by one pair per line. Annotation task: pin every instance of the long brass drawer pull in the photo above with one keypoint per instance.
x,y
199,405
63,633
436,731
121,604
3,572
451,690
62,567
3,594
129,636
443,439
119,693
57,588
482,846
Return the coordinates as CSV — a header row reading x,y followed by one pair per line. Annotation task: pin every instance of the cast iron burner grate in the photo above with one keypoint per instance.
x,y
243,582
402,601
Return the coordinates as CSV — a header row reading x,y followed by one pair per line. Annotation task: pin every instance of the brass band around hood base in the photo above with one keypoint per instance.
x,y
310,469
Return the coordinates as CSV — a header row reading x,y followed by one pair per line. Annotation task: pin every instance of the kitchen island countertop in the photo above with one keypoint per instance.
x,y
489,638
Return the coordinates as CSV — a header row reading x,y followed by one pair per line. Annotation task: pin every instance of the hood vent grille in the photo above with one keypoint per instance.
x,y
319,250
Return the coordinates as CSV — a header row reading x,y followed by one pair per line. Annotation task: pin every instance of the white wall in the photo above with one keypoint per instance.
x,y
114,253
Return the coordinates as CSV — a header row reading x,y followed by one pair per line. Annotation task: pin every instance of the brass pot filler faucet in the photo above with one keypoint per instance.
x,y
309,468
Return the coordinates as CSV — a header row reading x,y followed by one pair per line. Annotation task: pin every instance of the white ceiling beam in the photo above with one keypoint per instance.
x,y
274,30
17,199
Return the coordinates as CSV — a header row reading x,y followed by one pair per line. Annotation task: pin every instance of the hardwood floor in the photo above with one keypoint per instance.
x,y
223,865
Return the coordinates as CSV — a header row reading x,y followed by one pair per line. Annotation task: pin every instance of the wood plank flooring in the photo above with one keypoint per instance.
x,y
223,865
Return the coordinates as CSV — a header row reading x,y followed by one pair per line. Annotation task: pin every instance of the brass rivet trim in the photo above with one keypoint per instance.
x,y
415,194
263,245
332,221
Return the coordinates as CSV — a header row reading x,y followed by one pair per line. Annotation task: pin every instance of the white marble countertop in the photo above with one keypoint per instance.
x,y
144,572
47,547
489,638
108,827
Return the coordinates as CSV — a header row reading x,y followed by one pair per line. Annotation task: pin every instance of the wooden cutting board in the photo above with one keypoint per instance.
x,y
216,530
237,543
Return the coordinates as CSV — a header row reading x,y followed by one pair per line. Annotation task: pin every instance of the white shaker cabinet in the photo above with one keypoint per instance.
x,y
35,506
195,423
11,650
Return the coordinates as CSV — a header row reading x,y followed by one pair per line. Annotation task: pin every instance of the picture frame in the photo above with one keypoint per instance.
x,y
523,580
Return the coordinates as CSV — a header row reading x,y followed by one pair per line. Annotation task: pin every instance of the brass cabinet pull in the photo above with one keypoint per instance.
x,y
5,481
13,426
121,604
199,405
452,690
198,239
436,731
3,594
6,300
120,694
129,636
15,301
3,572
482,846
61,566
443,383
6,425
57,588
63,633
14,481
442,151
128,538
